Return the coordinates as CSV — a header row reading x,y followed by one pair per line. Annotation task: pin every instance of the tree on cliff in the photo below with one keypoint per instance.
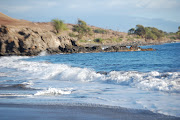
x,y
178,33
131,31
147,32
82,29
140,30
59,25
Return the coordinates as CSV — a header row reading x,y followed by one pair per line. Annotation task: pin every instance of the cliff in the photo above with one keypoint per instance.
x,y
20,37
30,41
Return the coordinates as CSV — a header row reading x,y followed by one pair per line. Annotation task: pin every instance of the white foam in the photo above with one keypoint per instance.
x,y
3,74
42,75
54,91
15,95
44,70
166,82
43,53
78,74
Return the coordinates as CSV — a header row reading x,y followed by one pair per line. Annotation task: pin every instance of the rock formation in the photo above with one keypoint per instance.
x,y
20,37
32,41
29,41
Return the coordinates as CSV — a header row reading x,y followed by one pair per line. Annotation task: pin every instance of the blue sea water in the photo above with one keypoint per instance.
x,y
161,60
141,80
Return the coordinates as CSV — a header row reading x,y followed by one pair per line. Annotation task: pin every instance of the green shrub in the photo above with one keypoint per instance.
x,y
72,35
83,41
158,33
121,36
140,30
100,31
131,31
173,38
130,39
82,29
59,25
178,33
138,37
119,39
115,40
98,40
147,32
150,35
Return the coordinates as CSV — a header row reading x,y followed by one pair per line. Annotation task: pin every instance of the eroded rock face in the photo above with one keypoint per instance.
x,y
27,41
32,41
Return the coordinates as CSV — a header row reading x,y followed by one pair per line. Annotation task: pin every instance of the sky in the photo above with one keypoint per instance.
x,y
118,15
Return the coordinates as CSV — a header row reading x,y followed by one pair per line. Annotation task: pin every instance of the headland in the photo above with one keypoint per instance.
x,y
25,38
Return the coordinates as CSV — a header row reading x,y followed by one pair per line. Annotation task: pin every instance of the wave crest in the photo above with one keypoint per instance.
x,y
157,81
53,91
167,82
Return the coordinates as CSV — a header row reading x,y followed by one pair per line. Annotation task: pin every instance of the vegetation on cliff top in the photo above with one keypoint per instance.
x,y
178,33
91,34
147,32
59,25
82,29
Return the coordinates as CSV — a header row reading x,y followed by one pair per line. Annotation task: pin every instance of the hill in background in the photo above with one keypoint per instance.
x,y
97,36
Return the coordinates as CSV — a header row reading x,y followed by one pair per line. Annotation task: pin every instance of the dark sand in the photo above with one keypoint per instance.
x,y
70,112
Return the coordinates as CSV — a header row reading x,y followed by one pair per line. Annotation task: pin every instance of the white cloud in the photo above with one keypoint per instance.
x,y
81,5
157,4
163,9
45,3
163,4
142,3
115,3
14,9
27,7
120,4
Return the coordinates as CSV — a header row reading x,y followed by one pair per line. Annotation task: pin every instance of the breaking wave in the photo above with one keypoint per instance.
x,y
54,91
43,53
167,82
156,81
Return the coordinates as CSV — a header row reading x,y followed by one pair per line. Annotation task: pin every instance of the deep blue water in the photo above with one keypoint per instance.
x,y
166,58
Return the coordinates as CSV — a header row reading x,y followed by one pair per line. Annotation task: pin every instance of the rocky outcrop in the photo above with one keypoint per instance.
x,y
124,48
116,49
31,41
28,41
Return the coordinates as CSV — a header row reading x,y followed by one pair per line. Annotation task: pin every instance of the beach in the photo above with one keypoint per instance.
x,y
117,85
75,112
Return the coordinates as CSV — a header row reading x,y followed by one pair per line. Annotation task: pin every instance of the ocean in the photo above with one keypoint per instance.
x,y
144,80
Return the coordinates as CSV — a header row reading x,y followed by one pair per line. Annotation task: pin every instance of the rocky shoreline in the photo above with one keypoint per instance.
x,y
27,41
25,38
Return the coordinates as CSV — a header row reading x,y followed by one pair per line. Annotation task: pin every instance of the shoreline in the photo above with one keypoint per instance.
x,y
76,112
128,44
96,48
25,38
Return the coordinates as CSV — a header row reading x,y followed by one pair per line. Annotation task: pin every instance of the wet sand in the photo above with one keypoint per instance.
x,y
74,112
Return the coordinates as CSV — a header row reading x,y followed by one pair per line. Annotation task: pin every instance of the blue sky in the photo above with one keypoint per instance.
x,y
112,14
